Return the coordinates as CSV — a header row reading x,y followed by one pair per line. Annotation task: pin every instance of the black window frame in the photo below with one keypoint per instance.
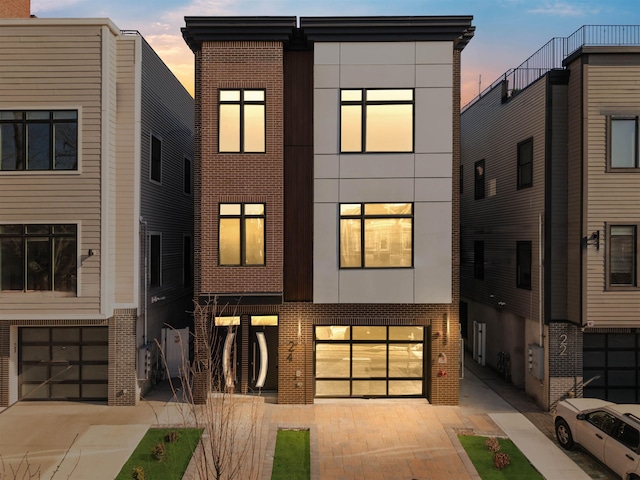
x,y
155,259
242,102
525,165
479,173
609,285
243,240
187,176
362,217
24,123
478,259
155,159
610,120
363,103
524,264
21,234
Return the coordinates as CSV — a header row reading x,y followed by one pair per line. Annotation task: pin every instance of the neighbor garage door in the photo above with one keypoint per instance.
x,y
63,363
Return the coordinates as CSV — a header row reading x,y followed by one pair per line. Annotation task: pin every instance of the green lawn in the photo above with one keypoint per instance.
x,y
292,459
482,459
177,457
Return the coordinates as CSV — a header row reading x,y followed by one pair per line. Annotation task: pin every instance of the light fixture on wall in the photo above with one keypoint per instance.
x,y
593,239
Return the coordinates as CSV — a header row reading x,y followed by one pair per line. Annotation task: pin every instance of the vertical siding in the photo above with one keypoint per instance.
x,y
574,193
53,67
491,130
298,175
611,197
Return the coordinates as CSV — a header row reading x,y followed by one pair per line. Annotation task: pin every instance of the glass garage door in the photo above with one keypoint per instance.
x,y
369,361
63,363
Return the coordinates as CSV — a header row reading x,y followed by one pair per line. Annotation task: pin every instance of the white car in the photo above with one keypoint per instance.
x,y
609,431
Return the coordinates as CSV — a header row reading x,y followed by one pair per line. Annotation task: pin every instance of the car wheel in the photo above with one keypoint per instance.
x,y
563,433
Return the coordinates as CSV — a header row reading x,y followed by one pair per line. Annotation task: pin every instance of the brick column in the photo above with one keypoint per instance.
x,y
122,358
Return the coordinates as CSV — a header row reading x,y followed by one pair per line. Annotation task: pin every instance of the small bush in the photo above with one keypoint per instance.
x,y
492,444
159,451
172,436
138,473
501,460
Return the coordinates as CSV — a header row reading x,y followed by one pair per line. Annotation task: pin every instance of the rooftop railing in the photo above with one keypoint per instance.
x,y
555,51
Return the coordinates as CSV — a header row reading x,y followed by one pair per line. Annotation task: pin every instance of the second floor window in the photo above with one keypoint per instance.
x,y
525,164
376,235
623,142
242,121
38,258
155,260
242,234
479,180
478,259
523,265
622,256
38,140
156,159
376,121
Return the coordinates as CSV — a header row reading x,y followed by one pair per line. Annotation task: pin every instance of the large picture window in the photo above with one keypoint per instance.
x,y
38,258
38,140
623,142
376,235
376,120
242,234
622,256
242,121
525,164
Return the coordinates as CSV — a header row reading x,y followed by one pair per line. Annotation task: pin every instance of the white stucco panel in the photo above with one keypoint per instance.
x,y
433,190
377,165
376,286
325,120
377,53
432,252
377,76
325,253
434,76
377,190
325,190
434,52
326,53
434,120
326,166
326,76
434,165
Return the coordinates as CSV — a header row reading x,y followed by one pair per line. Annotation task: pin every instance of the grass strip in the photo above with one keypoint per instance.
x,y
482,459
292,459
174,464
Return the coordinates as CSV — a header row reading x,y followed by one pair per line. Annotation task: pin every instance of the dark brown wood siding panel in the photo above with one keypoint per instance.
x,y
298,176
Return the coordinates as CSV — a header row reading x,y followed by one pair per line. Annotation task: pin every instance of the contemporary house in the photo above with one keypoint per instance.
x,y
96,205
326,204
550,216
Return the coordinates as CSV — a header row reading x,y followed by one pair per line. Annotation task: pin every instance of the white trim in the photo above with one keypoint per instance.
x,y
63,22
137,172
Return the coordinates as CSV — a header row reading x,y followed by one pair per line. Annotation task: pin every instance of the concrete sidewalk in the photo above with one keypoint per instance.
x,y
406,439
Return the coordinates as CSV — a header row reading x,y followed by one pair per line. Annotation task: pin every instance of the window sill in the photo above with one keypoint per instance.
x,y
42,294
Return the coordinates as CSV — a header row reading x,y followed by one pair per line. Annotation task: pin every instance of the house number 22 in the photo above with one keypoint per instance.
x,y
563,344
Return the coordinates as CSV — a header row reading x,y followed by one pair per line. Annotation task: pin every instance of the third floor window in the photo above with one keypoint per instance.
x,y
623,142
242,121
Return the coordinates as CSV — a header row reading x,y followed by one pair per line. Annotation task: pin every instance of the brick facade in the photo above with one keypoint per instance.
x,y
565,362
122,358
15,9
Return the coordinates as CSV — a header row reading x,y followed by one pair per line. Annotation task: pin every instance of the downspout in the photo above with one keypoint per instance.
x,y
540,273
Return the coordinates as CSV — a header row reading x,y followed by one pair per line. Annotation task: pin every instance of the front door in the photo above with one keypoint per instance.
x,y
263,352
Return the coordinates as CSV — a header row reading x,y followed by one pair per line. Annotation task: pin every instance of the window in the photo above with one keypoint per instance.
x,y
376,121
478,259
523,265
602,420
187,261
186,177
38,258
242,121
376,235
156,159
628,436
623,250
525,164
623,142
242,234
155,260
479,180
38,140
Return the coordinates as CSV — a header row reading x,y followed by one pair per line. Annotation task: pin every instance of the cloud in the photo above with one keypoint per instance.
x,y
563,9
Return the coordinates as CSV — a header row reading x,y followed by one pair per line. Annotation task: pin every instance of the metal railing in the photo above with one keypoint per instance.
x,y
555,51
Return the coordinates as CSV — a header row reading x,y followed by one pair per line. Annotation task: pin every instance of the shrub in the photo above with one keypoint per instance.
x,y
501,460
138,473
492,444
172,436
159,451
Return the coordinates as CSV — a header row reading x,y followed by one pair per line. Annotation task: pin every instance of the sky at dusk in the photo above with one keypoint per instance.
x,y
507,31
